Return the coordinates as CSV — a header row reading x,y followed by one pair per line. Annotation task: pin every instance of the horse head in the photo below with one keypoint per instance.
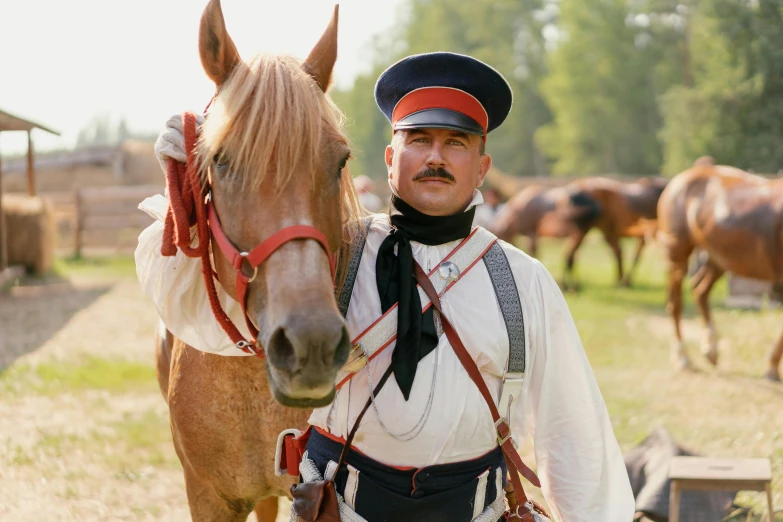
x,y
272,154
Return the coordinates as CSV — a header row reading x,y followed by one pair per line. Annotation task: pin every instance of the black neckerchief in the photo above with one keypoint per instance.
x,y
416,335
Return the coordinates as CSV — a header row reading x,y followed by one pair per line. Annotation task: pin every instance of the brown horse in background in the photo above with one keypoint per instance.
x,y
618,209
532,212
737,218
281,153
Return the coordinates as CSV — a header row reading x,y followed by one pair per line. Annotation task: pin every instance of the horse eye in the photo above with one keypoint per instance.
x,y
221,163
343,163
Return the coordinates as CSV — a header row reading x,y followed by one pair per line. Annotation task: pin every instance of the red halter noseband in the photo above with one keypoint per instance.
x,y
188,201
258,255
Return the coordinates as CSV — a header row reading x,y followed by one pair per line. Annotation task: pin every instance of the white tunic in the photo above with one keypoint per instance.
x,y
560,406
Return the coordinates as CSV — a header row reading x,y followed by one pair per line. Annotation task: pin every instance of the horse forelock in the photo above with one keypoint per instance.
x,y
271,119
268,120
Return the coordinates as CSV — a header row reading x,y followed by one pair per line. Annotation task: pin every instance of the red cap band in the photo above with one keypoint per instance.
x,y
440,98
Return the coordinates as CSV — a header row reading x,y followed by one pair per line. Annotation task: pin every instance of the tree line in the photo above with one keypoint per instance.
x,y
640,87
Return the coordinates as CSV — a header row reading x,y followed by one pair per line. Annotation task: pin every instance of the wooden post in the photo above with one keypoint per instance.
x,y
674,501
30,165
3,239
77,224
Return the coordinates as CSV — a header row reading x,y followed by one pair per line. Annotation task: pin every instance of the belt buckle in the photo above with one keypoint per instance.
x,y
356,360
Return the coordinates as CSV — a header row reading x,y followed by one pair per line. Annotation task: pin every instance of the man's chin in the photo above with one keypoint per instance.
x,y
433,204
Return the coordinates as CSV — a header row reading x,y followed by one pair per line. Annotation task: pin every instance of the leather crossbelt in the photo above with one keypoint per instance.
x,y
523,510
379,335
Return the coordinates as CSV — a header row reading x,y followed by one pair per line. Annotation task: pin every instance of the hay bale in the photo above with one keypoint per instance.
x,y
31,232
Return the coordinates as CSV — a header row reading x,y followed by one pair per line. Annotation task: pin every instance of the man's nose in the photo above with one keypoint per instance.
x,y
435,159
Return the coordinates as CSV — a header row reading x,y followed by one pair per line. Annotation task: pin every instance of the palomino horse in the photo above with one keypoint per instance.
x,y
737,218
273,153
617,209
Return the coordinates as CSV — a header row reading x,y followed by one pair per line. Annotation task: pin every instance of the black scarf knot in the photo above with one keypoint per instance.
x,y
416,333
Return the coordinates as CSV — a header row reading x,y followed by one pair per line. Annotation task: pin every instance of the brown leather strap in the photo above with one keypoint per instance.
x,y
355,428
513,460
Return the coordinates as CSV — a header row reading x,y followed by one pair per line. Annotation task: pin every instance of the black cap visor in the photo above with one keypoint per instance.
x,y
440,119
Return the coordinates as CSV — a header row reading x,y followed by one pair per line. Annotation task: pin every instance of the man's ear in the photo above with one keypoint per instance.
x,y
389,155
485,163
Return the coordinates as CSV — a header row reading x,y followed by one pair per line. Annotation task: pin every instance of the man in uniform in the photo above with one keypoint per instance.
x,y
427,449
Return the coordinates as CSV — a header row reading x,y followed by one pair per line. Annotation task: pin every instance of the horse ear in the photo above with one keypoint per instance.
x,y
218,53
320,61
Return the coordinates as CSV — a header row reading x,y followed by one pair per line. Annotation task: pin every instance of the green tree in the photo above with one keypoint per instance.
x,y
734,110
601,92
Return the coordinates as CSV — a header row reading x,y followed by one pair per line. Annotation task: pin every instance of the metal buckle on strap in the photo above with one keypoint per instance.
x,y
502,420
357,359
255,268
246,346
511,386
507,421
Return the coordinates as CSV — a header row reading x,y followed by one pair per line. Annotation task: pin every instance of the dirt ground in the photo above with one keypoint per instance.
x,y
84,430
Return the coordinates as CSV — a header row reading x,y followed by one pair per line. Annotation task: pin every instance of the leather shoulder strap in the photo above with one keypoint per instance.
x,y
507,295
354,252
505,442
379,335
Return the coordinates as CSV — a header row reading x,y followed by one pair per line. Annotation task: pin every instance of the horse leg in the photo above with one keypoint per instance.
x,y
677,270
533,245
626,281
774,361
575,240
207,505
614,244
266,509
709,343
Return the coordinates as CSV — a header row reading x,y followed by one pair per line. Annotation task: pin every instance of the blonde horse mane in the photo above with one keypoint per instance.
x,y
270,115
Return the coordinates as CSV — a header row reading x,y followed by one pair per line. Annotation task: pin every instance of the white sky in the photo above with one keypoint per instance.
x,y
62,62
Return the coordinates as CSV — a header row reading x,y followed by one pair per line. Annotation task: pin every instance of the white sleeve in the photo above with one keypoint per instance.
x,y
582,471
177,289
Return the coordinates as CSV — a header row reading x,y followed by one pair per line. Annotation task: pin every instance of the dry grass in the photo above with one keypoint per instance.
x,y
728,411
89,439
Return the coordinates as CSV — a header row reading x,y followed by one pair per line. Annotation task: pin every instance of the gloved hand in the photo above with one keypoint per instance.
x,y
171,142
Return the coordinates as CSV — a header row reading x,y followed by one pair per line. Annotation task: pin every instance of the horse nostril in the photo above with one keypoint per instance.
x,y
342,349
280,351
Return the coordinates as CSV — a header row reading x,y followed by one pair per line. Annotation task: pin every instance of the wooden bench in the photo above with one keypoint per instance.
x,y
708,474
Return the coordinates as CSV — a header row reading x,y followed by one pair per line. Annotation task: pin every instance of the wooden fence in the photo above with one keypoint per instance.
x,y
108,211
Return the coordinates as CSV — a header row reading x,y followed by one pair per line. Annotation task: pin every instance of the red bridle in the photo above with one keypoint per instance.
x,y
256,257
188,206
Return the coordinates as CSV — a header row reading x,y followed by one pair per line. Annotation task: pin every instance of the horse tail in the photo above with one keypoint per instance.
x,y
584,210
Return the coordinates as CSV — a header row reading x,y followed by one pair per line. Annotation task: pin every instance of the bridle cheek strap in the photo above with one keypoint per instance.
x,y
256,257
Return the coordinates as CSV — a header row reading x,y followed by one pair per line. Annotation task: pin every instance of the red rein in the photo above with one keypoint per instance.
x,y
188,206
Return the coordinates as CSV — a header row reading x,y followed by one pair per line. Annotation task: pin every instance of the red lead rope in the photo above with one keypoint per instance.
x,y
187,207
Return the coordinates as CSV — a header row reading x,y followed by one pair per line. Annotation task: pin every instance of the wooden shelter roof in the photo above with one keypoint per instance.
x,y
9,122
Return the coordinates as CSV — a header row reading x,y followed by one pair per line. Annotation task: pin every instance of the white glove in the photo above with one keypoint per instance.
x,y
171,142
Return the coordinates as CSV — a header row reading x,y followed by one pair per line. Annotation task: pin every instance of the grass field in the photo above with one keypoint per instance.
x,y
89,440
728,411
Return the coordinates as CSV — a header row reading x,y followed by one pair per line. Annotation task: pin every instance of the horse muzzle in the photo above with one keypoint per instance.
x,y
303,355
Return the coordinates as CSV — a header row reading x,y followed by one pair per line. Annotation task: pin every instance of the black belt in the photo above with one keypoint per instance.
x,y
437,493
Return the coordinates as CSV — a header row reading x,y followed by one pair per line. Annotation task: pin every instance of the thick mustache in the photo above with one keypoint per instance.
x,y
434,173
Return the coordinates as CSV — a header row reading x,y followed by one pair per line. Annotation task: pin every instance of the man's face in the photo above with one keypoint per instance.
x,y
436,170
